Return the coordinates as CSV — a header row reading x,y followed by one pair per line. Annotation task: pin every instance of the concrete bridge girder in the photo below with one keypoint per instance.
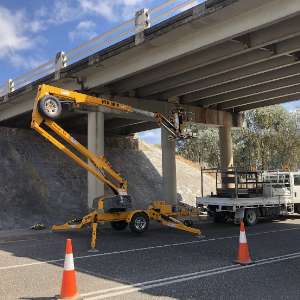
x,y
292,91
273,83
239,84
257,60
203,72
218,84
265,102
278,88
23,104
147,56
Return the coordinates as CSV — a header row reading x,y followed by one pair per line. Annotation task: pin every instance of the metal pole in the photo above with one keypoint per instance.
x,y
201,181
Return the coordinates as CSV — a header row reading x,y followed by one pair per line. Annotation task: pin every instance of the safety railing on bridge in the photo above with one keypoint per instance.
x,y
142,20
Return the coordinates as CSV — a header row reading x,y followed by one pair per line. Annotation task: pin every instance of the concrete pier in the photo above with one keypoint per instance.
x,y
226,155
96,145
168,168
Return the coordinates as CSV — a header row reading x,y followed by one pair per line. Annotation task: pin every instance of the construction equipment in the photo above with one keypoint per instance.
x,y
259,194
49,104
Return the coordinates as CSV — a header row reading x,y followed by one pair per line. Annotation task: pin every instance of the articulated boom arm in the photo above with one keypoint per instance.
x,y
48,105
48,102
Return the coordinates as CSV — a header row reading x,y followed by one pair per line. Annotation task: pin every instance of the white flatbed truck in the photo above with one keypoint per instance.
x,y
255,194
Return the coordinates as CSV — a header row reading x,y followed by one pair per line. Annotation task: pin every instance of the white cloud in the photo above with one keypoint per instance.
x,y
64,11
112,10
102,8
35,26
83,31
18,34
28,63
13,38
60,12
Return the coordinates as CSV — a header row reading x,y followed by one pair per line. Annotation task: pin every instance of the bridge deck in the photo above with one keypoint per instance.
x,y
234,56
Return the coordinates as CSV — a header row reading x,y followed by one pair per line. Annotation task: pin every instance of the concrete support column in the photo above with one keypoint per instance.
x,y
226,154
225,147
96,145
168,168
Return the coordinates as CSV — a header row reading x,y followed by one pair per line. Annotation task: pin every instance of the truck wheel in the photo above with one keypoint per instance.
x,y
250,217
219,218
50,107
119,225
139,222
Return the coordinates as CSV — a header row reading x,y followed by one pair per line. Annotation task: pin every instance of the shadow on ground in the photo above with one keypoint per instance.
x,y
124,258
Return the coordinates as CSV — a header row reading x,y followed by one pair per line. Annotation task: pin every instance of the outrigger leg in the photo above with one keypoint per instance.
x,y
94,237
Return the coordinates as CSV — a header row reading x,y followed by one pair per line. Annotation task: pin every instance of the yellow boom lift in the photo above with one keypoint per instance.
x,y
49,104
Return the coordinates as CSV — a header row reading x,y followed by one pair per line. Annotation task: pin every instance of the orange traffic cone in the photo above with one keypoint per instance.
x,y
68,286
243,253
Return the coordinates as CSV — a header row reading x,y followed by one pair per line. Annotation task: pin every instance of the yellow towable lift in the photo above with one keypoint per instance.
x,y
49,104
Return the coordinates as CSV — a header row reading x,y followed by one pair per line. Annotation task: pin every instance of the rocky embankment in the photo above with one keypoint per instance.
x,y
40,184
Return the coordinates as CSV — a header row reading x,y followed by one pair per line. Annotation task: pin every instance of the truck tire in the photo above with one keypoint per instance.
x,y
139,222
50,107
250,217
119,225
219,218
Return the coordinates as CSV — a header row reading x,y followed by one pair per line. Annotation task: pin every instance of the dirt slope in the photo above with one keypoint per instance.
x,y
40,184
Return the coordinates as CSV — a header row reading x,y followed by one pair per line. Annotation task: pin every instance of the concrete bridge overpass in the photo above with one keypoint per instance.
x,y
218,59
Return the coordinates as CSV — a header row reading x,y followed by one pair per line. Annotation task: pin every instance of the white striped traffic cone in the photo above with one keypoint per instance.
x,y
69,286
243,252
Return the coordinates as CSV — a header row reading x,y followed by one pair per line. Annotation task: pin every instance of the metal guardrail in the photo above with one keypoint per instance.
x,y
142,20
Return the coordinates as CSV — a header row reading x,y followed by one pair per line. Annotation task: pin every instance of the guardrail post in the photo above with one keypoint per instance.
x,y
10,86
142,22
60,63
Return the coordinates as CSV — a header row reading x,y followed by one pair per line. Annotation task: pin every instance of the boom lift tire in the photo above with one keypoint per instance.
x,y
139,222
250,217
119,225
50,107
188,223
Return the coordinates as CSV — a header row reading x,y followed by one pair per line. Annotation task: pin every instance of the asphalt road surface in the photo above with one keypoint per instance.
x,y
161,264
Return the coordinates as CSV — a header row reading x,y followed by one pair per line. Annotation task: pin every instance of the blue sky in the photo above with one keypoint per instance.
x,y
33,31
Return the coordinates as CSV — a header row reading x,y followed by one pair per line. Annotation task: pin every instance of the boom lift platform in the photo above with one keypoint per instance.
x,y
49,104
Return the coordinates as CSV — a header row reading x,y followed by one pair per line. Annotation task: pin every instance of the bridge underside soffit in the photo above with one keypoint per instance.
x,y
78,124
248,71
242,56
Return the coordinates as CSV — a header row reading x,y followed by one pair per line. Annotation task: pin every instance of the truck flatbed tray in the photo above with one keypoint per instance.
x,y
255,201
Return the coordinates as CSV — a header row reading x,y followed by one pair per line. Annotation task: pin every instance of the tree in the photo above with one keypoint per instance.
x,y
269,140
204,149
